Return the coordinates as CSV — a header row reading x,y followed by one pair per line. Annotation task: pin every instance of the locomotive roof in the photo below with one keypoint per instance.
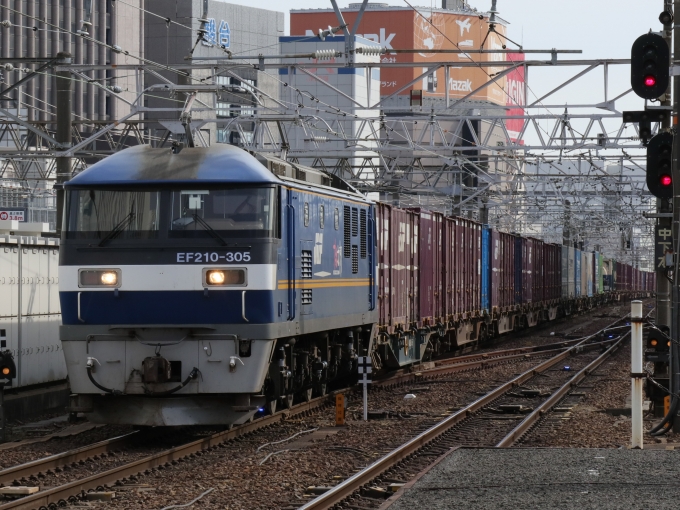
x,y
144,165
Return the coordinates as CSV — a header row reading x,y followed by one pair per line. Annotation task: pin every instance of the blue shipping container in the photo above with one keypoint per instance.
x,y
577,272
486,267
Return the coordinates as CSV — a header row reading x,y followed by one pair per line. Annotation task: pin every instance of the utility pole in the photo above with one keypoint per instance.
x,y
63,135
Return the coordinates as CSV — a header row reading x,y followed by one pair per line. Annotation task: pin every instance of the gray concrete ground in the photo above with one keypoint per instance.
x,y
548,478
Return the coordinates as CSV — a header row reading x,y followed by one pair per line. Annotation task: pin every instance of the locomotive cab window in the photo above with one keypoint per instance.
x,y
110,214
321,216
238,212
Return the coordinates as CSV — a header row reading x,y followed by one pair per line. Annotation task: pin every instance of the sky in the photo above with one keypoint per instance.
x,y
601,28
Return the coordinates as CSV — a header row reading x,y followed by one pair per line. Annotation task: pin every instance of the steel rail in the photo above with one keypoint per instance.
x,y
451,368
350,485
62,493
538,413
9,475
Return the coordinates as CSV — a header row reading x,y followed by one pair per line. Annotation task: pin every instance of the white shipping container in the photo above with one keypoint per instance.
x,y
30,314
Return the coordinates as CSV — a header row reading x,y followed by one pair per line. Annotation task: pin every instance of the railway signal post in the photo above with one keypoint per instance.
x,y
637,374
651,67
365,369
674,373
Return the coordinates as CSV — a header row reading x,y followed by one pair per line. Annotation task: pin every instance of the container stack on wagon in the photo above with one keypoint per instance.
x,y
446,281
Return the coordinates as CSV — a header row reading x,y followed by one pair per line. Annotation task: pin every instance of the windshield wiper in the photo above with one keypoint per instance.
x,y
115,231
209,229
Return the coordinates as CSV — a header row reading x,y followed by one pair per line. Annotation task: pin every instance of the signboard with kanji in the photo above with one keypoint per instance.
x,y
663,242
15,214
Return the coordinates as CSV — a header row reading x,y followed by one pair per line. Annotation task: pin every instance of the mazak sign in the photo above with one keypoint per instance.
x,y
12,215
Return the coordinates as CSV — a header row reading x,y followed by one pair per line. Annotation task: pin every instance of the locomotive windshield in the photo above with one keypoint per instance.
x,y
106,215
247,212
97,214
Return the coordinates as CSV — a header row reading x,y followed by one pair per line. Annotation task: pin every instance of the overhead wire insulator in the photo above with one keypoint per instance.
x,y
6,23
370,50
325,54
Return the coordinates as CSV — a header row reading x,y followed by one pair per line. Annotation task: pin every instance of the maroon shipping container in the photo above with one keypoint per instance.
x,y
624,276
461,266
538,272
553,271
502,270
430,266
470,233
397,261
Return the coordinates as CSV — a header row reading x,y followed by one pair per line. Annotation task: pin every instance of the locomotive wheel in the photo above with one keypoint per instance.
x,y
270,407
288,401
320,389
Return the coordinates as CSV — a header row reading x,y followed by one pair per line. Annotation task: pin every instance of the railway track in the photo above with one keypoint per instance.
x,y
500,418
33,472
58,496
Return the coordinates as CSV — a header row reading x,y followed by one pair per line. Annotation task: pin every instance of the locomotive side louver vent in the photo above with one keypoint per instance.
x,y
355,222
362,232
346,225
355,259
306,264
306,296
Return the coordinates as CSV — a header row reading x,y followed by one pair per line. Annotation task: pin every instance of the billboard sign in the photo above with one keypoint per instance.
x,y
515,96
426,30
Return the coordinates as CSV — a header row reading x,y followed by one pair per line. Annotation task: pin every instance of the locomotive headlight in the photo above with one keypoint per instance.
x,y
93,278
215,277
232,277
109,278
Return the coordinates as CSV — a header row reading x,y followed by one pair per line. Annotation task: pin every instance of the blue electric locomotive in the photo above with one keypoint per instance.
x,y
199,285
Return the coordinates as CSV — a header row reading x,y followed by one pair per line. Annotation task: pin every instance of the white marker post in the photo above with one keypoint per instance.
x,y
365,368
637,375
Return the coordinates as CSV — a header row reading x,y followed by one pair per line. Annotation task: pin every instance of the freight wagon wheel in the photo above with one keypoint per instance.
x,y
483,334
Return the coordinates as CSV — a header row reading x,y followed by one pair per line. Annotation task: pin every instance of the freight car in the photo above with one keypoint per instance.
x,y
200,285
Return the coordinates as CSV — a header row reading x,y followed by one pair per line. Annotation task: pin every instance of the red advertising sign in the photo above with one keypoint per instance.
x,y
515,97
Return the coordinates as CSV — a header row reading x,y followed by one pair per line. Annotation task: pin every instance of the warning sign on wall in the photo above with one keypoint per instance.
x,y
15,214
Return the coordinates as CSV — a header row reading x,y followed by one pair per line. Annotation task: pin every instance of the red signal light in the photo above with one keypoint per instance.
x,y
650,81
666,180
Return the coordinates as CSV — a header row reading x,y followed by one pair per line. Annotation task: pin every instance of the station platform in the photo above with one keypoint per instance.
x,y
494,478
24,404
